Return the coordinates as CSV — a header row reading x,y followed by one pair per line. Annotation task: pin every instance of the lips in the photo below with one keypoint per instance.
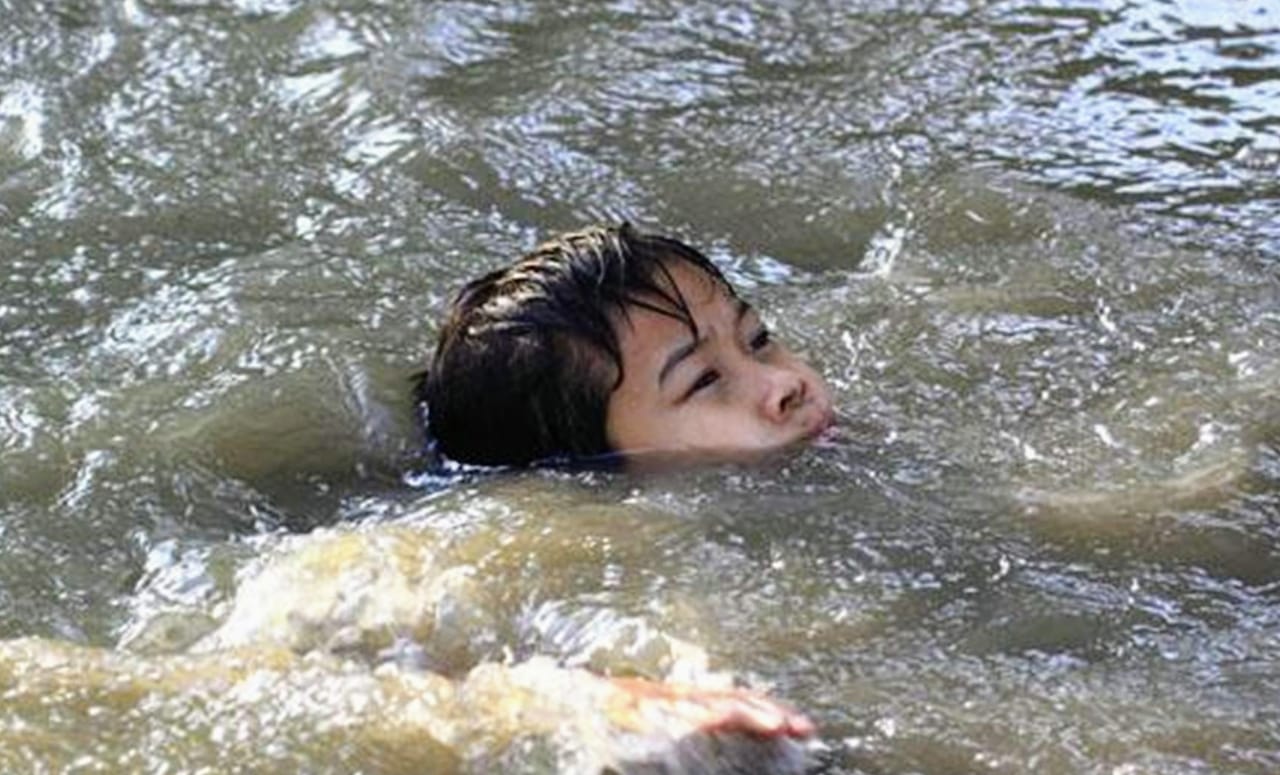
x,y
824,420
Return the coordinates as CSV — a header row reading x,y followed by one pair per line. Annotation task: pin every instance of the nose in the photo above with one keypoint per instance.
x,y
784,391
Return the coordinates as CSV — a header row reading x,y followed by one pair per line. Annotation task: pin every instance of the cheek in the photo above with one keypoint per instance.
x,y
616,422
630,423
727,425
693,426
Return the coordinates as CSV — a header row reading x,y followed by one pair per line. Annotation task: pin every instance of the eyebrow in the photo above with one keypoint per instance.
x,y
688,348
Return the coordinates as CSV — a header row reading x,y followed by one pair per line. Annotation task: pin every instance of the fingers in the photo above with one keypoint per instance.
x,y
757,715
643,705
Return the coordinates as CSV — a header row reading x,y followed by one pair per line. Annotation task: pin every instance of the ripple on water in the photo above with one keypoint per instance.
x,y
1170,107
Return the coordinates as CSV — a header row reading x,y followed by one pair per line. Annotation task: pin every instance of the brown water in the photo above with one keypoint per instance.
x,y
1033,245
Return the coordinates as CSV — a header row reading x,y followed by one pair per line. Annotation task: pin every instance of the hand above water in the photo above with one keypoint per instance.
x,y
644,706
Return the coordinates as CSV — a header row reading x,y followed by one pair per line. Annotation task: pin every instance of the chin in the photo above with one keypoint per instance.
x,y
812,430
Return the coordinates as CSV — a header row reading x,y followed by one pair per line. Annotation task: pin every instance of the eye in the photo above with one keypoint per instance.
x,y
761,340
705,380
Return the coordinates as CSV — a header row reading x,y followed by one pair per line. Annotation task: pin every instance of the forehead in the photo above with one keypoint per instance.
x,y
645,335
693,285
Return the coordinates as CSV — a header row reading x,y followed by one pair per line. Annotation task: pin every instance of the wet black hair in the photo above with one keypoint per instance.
x,y
528,354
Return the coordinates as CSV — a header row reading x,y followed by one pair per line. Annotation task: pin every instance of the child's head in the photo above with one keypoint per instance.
x,y
608,341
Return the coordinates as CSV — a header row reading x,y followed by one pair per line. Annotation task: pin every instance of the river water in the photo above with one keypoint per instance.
x,y
1034,245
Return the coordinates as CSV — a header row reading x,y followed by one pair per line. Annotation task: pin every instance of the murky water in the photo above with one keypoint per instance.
x,y
1035,246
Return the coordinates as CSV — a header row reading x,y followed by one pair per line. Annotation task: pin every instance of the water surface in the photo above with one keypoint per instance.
x,y
1034,245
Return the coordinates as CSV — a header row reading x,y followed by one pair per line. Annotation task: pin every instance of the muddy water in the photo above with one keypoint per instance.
x,y
1034,246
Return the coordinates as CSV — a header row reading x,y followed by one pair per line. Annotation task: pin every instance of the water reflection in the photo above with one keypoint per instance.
x,y
1170,105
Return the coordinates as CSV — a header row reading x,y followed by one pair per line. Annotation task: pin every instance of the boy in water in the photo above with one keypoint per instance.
x,y
609,345
601,345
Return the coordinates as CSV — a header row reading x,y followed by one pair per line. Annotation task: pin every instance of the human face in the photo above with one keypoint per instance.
x,y
732,393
